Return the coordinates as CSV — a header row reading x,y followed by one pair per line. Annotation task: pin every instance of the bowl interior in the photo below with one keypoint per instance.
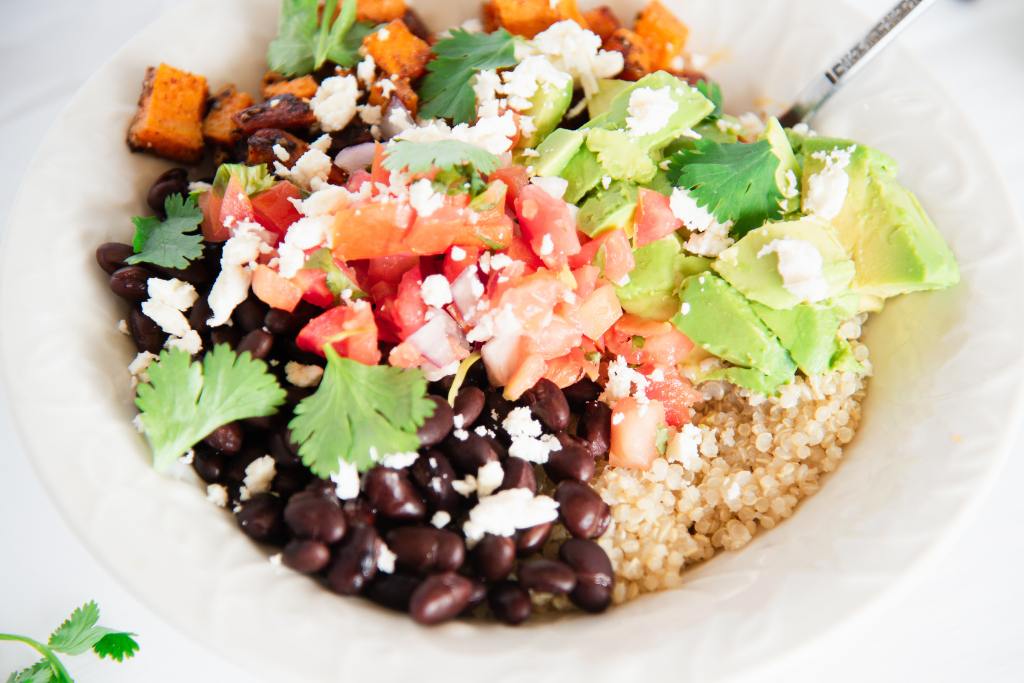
x,y
936,422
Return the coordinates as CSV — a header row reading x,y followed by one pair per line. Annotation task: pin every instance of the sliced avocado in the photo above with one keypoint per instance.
x,y
748,378
548,106
608,209
583,172
660,183
894,244
607,89
758,276
716,316
787,174
807,331
653,288
619,155
557,151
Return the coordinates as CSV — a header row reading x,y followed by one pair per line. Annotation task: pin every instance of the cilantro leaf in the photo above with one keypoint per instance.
x,y
357,408
306,38
347,51
712,91
254,179
734,181
184,401
78,633
421,157
447,90
40,672
337,280
117,645
171,242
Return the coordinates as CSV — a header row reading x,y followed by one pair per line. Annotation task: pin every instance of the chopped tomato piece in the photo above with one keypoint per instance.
x,y
349,328
405,355
570,368
643,341
586,280
599,311
378,173
273,210
533,298
519,250
452,268
548,225
406,310
654,217
313,284
559,336
357,180
515,178
213,229
235,206
274,290
529,372
588,251
390,268
675,392
635,425
618,257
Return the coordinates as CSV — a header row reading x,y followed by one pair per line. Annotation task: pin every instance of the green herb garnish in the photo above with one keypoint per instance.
x,y
171,242
307,38
447,91
422,157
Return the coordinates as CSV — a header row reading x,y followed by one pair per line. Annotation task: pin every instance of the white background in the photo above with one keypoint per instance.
x,y
964,619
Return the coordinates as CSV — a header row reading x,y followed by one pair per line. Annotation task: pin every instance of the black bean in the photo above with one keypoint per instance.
x,y
263,424
355,561
290,479
234,467
595,428
173,181
392,494
393,590
146,334
284,450
130,283
438,425
572,461
250,313
208,464
497,407
426,550
510,602
316,517
548,404
469,403
440,597
519,474
258,343
199,315
470,455
478,593
581,392
433,475
324,487
533,539
594,575
111,255
305,556
358,511
546,576
281,322
494,557
226,438
261,519
581,509
225,335
197,273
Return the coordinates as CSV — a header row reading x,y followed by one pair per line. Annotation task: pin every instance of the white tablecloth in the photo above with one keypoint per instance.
x,y
962,621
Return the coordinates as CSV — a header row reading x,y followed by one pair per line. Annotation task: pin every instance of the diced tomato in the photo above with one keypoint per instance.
x,y
213,229
236,205
407,310
559,336
533,298
654,217
515,178
357,180
313,283
568,369
599,311
519,250
586,280
378,173
274,290
588,251
675,392
452,268
643,341
349,328
273,210
390,268
634,442
405,355
618,257
548,225
525,376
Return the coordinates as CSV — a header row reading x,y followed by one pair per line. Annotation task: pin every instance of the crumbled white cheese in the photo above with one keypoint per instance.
x,y
520,84
546,245
458,254
199,186
606,181
436,291
827,189
552,185
752,124
801,267
650,110
399,461
709,237
217,494
366,70
334,103
191,343
489,478
492,133
507,511
311,169
281,153
440,519
346,480
485,88
138,367
306,233
711,242
168,300
500,261
577,51
259,474
527,441
371,114
792,188
624,381
682,448
386,559
424,199
304,376
236,263
803,129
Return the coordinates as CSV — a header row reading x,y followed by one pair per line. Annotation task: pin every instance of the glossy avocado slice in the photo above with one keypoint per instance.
x,y
608,209
653,288
548,105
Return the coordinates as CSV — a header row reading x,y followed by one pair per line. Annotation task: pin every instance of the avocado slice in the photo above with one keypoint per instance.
x,y
619,155
893,243
583,172
556,151
607,89
807,331
653,288
758,276
547,107
660,183
787,174
717,317
608,209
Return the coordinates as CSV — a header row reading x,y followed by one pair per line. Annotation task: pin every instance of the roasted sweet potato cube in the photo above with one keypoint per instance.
x,y
386,88
665,36
219,126
530,17
489,17
635,55
303,87
380,11
602,21
281,111
169,120
263,146
397,51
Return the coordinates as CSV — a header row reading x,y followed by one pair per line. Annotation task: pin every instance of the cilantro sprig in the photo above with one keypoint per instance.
x,y
78,634
307,38
184,400
357,408
447,90
712,91
421,157
734,181
171,242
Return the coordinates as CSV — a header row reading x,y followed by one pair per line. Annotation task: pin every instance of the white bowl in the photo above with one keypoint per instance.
x,y
936,424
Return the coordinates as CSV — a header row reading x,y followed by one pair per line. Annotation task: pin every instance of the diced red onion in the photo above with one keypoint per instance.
x,y
356,157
